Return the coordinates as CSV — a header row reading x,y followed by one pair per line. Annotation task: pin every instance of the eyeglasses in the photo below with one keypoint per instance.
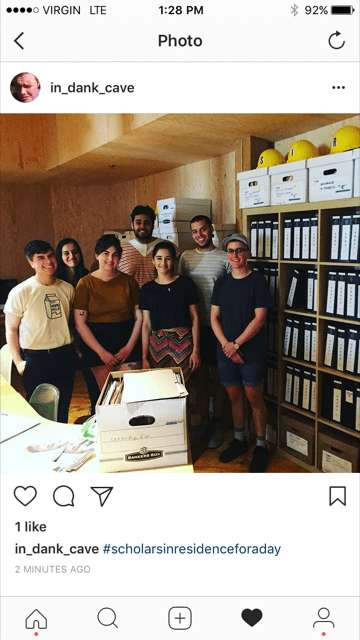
x,y
237,251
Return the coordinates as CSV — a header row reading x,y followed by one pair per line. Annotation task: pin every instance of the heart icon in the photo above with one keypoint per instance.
x,y
25,495
251,617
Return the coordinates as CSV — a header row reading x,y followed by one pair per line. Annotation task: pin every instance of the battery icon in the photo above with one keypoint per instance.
x,y
342,10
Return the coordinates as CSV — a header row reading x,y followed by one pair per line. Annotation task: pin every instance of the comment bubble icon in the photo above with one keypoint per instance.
x,y
64,496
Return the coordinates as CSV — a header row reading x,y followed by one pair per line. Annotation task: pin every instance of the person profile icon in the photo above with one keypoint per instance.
x,y
25,87
323,614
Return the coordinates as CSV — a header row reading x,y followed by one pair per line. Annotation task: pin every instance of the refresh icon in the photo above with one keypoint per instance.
x,y
335,35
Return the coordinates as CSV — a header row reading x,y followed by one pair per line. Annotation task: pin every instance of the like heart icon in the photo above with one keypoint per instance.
x,y
251,617
25,495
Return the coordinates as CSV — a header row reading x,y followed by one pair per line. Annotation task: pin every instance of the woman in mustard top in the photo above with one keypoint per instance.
x,y
106,313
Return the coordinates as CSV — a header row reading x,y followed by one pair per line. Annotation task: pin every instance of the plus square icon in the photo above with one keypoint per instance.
x,y
180,618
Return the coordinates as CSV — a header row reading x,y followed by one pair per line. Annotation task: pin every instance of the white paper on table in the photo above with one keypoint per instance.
x,y
12,425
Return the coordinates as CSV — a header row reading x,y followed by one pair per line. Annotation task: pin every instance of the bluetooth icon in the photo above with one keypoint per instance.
x,y
294,10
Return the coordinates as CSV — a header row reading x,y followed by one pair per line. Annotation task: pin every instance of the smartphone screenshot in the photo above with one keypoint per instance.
x,y
180,321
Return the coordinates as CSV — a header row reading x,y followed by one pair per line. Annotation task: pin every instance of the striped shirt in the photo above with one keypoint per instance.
x,y
204,267
136,260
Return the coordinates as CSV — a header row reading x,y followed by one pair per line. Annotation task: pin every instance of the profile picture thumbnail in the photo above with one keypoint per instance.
x,y
25,87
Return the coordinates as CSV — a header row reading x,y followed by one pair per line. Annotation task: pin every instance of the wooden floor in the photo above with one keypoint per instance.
x,y
204,460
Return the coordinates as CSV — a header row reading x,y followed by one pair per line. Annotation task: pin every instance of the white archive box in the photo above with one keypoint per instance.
x,y
171,237
167,224
184,208
254,188
289,183
146,428
356,160
123,236
331,177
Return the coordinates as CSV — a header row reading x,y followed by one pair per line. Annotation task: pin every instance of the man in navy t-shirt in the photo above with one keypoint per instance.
x,y
239,306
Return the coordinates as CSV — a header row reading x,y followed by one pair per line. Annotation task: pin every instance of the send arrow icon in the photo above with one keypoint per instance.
x,y
103,493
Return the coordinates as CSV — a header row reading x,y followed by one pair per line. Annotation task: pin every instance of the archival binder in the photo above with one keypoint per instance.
x,y
287,240
289,383
307,341
268,247
315,291
351,344
350,295
340,350
331,292
313,393
310,291
348,405
335,238
357,410
358,295
329,357
287,336
253,238
340,294
305,240
296,387
313,342
297,291
260,243
295,339
297,239
306,390
355,239
266,272
275,240
272,284
345,238
337,400
313,238
358,352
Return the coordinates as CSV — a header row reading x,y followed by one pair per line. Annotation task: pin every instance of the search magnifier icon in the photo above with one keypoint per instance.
x,y
107,617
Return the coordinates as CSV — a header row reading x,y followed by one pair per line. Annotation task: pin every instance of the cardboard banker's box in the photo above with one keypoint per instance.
x,y
146,428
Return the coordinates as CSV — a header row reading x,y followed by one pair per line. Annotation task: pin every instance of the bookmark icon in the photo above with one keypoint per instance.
x,y
103,493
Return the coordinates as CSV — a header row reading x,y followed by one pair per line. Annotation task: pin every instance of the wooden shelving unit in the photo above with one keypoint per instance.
x,y
324,210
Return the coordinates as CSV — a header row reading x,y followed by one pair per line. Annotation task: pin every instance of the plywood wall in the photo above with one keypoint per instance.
x,y
26,214
84,212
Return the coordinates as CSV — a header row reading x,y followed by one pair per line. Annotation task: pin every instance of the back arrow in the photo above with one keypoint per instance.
x,y
16,40
337,33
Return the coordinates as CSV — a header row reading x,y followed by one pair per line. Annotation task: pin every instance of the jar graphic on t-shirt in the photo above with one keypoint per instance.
x,y
52,306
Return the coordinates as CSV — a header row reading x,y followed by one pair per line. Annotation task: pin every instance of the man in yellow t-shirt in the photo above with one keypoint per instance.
x,y
37,327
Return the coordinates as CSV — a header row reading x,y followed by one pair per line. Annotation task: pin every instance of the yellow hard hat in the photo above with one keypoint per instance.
x,y
270,158
345,139
302,150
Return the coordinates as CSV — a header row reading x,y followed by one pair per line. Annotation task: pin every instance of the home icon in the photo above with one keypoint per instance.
x,y
36,620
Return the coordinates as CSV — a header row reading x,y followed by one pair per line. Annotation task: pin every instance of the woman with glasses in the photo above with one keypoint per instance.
x,y
239,307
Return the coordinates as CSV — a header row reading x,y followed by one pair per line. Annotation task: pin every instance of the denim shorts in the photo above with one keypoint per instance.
x,y
249,374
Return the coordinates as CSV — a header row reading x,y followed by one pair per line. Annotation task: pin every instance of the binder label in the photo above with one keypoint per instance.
x,y
330,338
337,405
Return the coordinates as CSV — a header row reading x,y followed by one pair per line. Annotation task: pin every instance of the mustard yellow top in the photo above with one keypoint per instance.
x,y
111,301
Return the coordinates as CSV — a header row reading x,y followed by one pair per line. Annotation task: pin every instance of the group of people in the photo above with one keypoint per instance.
x,y
145,305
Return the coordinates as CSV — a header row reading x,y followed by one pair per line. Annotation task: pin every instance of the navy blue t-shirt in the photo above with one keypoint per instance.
x,y
238,299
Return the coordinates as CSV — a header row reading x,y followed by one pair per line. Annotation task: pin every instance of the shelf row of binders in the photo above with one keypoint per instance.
x,y
300,339
300,388
301,238
342,348
302,292
345,238
343,294
298,238
271,274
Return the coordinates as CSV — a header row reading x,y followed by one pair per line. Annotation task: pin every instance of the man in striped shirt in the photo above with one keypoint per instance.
x,y
136,257
205,264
